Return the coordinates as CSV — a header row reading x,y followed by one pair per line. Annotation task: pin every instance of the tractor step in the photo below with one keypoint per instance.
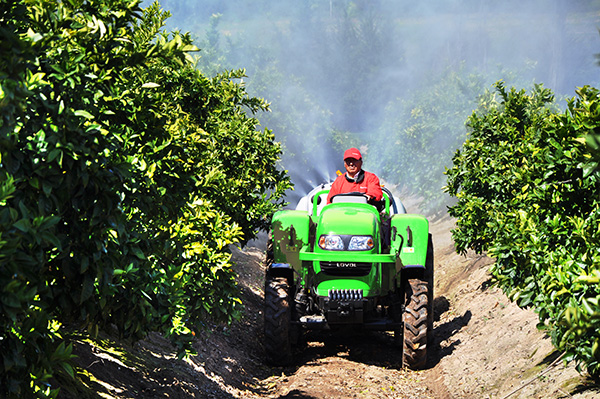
x,y
316,322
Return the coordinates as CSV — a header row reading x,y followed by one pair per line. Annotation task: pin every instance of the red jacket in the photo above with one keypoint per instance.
x,y
369,185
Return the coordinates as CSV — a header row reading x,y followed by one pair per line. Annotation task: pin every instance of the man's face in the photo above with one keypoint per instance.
x,y
352,166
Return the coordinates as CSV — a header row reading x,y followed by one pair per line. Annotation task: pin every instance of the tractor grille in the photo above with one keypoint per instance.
x,y
345,295
346,268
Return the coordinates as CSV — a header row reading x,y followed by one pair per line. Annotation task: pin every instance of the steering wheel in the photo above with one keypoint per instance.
x,y
351,194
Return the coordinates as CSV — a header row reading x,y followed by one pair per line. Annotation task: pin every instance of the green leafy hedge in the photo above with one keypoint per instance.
x,y
528,196
124,175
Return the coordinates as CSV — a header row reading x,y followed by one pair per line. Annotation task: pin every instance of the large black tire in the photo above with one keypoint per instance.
x,y
429,278
416,323
277,323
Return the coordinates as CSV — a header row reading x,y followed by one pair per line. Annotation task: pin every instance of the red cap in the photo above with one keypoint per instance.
x,y
352,153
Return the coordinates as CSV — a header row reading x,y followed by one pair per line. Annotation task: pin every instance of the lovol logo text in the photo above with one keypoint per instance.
x,y
340,264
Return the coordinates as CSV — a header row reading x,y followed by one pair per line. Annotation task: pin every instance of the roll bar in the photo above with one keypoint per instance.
x,y
315,204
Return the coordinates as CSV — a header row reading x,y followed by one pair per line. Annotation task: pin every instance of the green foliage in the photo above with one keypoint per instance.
x,y
125,174
527,197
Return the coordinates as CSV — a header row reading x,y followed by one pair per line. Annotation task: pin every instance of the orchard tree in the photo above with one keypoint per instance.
x,y
125,174
527,196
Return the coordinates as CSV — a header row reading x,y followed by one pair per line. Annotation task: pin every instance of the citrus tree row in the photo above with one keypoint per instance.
x,y
527,194
125,174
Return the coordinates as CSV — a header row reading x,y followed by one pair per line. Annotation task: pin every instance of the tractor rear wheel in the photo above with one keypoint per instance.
x,y
416,323
277,323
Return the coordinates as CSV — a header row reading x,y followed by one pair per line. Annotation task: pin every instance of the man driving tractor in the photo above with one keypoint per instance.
x,y
356,179
338,267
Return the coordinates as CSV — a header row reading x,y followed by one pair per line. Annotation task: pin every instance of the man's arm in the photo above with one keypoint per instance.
x,y
335,189
373,187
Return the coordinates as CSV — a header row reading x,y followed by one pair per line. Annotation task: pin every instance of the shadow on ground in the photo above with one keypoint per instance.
x,y
135,372
375,347
443,332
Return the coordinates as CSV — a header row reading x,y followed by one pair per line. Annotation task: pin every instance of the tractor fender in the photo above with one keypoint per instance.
x,y
290,233
409,239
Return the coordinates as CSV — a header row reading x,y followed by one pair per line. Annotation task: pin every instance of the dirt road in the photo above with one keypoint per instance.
x,y
485,347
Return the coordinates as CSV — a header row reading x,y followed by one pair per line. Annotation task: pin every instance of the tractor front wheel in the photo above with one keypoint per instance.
x,y
416,323
277,323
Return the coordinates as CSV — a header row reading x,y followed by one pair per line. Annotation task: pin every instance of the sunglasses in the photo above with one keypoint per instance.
x,y
352,160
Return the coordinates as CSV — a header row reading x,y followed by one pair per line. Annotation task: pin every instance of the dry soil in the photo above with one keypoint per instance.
x,y
485,347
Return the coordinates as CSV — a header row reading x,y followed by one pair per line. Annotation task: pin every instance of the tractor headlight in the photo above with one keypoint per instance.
x,y
331,243
360,243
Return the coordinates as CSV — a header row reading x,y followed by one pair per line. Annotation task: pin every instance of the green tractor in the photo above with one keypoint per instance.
x,y
348,265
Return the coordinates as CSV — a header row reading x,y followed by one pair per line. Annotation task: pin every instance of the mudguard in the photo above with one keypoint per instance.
x,y
410,236
290,234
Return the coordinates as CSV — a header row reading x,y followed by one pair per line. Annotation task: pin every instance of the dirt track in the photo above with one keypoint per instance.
x,y
485,347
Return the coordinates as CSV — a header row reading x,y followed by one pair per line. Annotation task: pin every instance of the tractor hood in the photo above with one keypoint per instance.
x,y
348,218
